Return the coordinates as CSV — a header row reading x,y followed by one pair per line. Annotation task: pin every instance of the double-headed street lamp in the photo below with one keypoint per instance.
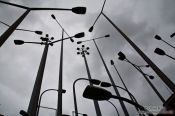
x,y
112,63
84,51
37,32
123,58
100,94
161,52
107,70
60,81
159,38
163,77
10,30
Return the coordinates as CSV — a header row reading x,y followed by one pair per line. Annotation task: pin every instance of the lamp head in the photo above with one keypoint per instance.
x,y
105,84
157,37
39,32
79,35
172,35
72,40
159,51
121,56
151,77
91,29
107,35
96,93
79,42
112,62
84,114
53,16
18,42
95,81
79,10
23,113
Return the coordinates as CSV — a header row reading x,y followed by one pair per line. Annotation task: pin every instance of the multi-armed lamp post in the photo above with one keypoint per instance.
x,y
163,77
10,30
84,51
123,58
107,70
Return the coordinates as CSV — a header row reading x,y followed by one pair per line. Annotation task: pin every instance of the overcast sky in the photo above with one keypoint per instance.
x,y
141,20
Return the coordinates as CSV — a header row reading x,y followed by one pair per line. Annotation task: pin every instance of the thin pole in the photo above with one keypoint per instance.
x,y
32,108
59,104
112,81
114,107
170,56
168,43
97,107
12,28
164,78
149,82
126,88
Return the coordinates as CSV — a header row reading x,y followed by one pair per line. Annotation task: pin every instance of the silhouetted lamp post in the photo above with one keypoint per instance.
x,y
112,63
123,58
84,51
10,30
159,38
60,81
101,94
163,77
39,102
161,52
37,32
107,70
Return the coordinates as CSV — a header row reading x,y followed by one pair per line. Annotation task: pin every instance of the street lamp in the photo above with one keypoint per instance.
x,y
37,32
39,102
10,30
123,58
60,81
163,77
107,70
84,51
161,52
112,63
159,38
101,94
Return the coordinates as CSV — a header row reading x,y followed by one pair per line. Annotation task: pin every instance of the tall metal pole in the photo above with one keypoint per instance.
x,y
12,28
164,78
112,81
59,104
149,82
127,89
32,108
97,107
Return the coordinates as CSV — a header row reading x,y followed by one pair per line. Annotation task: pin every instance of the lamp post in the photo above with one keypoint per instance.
x,y
37,32
161,52
163,77
159,38
32,108
83,51
107,70
10,30
39,102
123,58
60,81
91,81
100,94
112,63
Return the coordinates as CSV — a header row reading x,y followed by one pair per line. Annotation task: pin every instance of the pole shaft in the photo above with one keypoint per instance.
x,y
126,89
97,107
32,108
59,104
112,81
168,43
164,78
12,4
12,28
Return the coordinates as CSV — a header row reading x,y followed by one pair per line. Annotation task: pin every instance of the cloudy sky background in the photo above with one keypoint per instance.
x,y
139,19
